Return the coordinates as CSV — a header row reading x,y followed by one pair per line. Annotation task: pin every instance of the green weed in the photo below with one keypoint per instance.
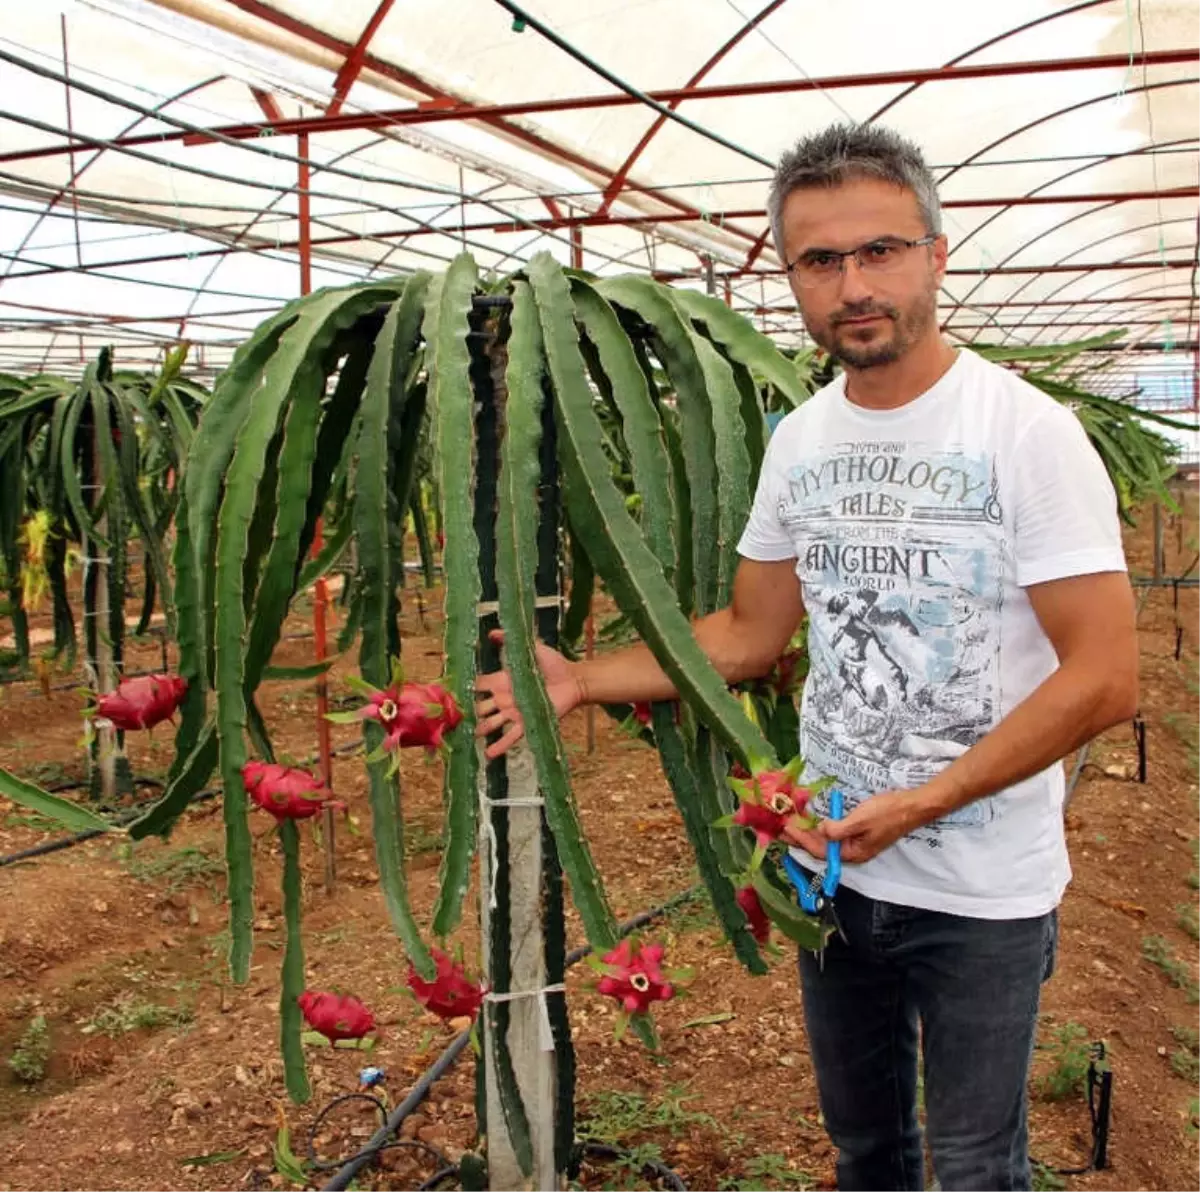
x,y
612,1115
31,820
1069,1059
1156,950
1046,1179
177,867
418,839
693,913
1186,919
28,1060
768,1170
1185,1060
126,1014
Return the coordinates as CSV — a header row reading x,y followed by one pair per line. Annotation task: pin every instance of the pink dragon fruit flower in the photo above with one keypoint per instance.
x,y
634,977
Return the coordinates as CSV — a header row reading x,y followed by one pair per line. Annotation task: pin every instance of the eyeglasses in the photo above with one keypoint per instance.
x,y
819,266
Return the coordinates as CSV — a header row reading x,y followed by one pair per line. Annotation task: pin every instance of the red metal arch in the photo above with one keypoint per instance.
x,y
1074,252
353,65
1143,305
1137,298
1100,289
1057,227
407,79
760,243
987,45
618,179
76,174
1075,107
1101,161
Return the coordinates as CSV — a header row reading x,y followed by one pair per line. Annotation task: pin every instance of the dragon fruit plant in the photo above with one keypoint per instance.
x,y
326,411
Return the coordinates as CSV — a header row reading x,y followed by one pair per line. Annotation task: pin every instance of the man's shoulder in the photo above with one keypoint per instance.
x,y
986,380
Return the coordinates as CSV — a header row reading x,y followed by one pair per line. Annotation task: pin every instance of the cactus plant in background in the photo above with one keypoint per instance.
x,y
99,460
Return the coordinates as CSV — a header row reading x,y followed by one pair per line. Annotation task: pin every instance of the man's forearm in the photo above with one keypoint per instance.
x,y
1062,714
634,674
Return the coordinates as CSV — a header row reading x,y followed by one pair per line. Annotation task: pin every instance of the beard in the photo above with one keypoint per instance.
x,y
882,342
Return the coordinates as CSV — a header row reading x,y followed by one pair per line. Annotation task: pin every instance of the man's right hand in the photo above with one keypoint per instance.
x,y
495,706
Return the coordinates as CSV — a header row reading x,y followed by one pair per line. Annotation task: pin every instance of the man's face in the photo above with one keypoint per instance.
x,y
862,317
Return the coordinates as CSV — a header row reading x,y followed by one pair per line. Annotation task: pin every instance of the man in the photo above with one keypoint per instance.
x,y
955,541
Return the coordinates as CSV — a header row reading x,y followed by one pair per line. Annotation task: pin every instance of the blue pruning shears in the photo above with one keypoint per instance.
x,y
816,895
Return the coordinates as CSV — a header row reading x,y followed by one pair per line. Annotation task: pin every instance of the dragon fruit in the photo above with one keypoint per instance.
x,y
142,702
336,1016
756,917
412,714
634,977
450,994
285,791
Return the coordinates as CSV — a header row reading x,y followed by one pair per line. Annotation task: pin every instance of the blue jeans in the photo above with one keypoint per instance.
x,y
972,986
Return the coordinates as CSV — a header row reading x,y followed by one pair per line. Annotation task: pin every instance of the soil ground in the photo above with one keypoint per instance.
x,y
160,1074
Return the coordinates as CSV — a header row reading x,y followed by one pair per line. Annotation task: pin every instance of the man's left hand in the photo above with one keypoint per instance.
x,y
875,823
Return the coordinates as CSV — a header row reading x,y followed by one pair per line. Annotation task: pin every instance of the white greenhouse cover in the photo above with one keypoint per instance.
x,y
118,227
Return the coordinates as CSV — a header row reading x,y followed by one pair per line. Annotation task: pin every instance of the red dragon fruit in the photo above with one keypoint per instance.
x,y
142,702
756,917
336,1016
787,676
634,977
410,714
771,800
450,994
285,791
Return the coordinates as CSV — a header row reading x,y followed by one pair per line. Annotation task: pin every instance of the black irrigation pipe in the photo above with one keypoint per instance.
x,y
419,1091
127,816
118,821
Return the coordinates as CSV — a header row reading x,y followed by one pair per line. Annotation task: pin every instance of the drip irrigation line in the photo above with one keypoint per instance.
x,y
119,821
419,1091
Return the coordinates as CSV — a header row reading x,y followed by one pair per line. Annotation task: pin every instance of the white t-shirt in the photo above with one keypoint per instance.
x,y
915,531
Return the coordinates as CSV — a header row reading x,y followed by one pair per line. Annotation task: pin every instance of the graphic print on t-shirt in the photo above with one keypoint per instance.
x,y
901,554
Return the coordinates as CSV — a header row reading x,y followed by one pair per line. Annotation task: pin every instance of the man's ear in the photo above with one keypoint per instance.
x,y
941,252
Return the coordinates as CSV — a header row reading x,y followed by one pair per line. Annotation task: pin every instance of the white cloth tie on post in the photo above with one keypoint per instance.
x,y
546,1034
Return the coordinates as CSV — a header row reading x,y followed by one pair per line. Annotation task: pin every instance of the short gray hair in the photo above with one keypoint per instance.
x,y
845,152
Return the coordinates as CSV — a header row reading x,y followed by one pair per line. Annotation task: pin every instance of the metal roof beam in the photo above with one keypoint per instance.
x,y
440,109
443,107
353,65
